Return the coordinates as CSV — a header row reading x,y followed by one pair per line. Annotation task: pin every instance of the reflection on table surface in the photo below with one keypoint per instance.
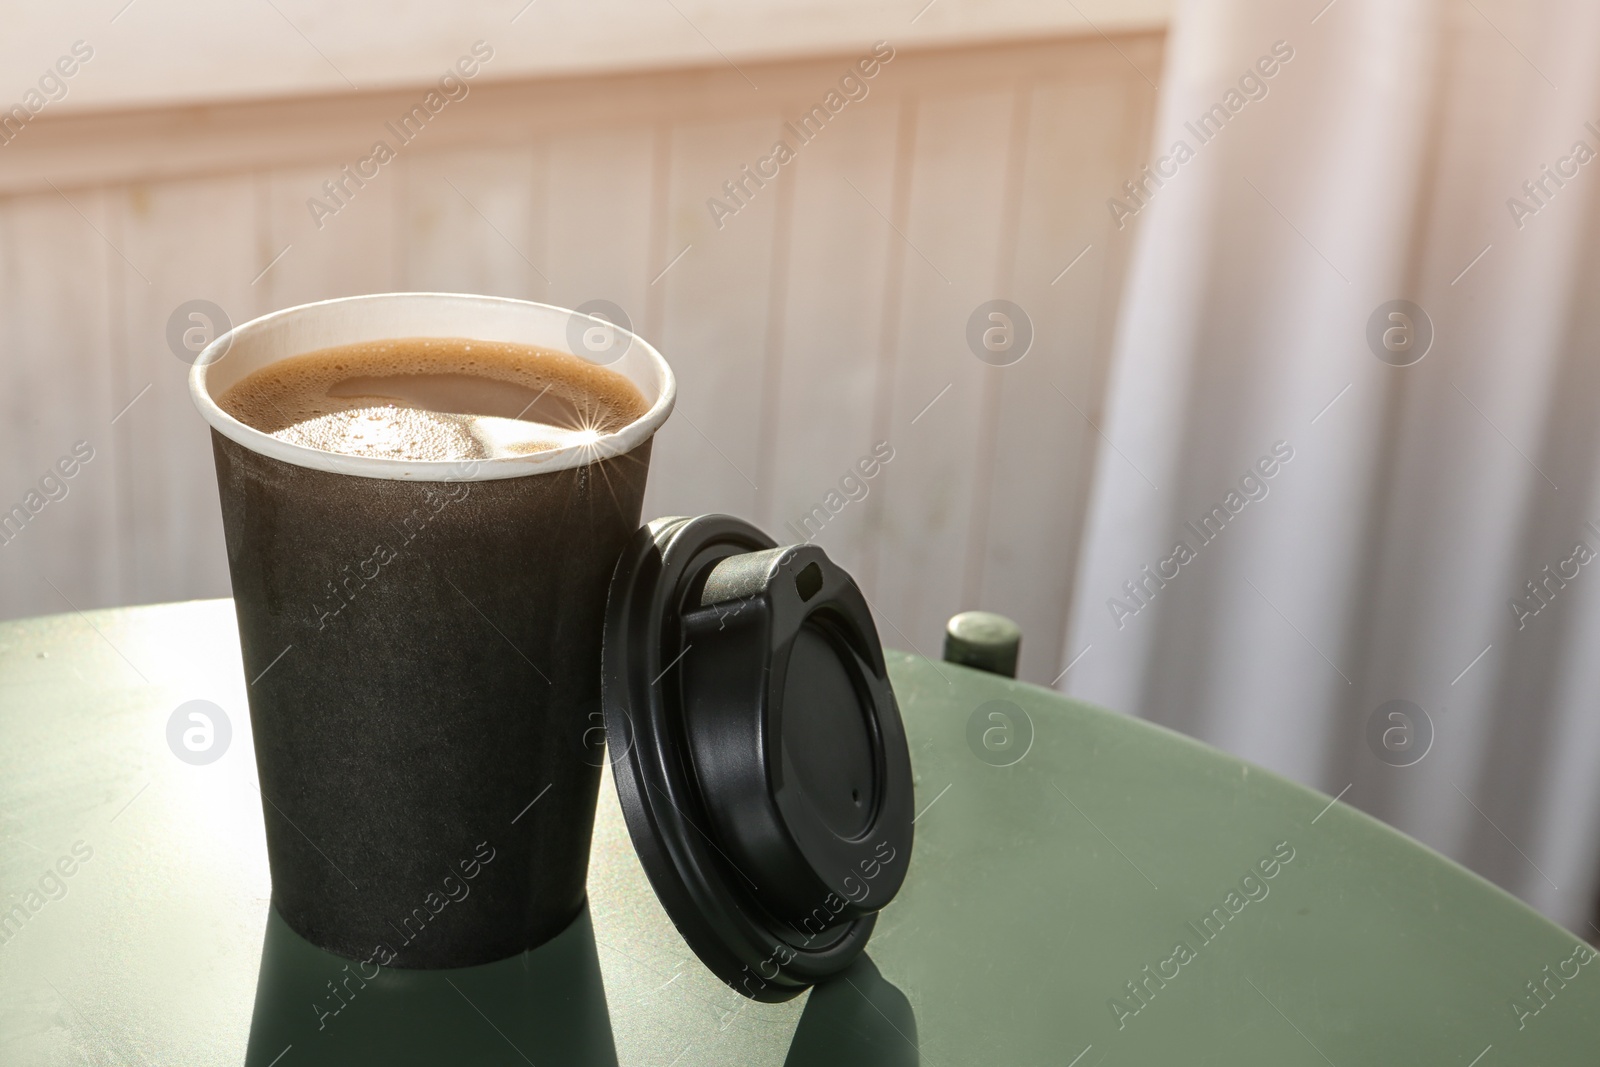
x,y
546,1006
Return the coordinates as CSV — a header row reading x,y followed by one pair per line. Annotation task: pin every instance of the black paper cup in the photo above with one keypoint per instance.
x,y
422,645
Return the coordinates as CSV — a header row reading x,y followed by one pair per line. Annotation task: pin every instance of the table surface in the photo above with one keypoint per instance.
x,y
1085,888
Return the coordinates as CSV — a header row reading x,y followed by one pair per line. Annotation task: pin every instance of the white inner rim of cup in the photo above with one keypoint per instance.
x,y
387,316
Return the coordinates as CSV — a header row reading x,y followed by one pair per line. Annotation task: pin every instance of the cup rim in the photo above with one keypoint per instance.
x,y
605,446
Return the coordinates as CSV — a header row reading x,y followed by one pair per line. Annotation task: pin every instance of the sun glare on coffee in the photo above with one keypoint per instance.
x,y
436,399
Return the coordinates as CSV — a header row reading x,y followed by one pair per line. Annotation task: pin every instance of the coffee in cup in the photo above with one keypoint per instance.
x,y
430,398
424,497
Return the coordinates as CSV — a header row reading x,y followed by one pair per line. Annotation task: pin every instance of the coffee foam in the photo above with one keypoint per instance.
x,y
434,398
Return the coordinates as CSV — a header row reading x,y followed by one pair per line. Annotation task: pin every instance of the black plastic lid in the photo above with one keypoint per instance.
x,y
757,749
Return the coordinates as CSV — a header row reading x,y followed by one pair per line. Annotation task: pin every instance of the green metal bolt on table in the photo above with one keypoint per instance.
x,y
1086,888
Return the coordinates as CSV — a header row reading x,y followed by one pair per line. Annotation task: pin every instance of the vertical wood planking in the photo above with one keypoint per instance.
x,y
354,251
953,238
192,239
803,329
597,219
834,305
894,274
473,222
994,377
1078,153
714,322
55,391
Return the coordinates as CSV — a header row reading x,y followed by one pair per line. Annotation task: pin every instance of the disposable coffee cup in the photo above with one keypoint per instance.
x,y
422,646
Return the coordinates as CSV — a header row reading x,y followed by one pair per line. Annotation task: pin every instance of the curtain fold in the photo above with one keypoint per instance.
x,y
1437,154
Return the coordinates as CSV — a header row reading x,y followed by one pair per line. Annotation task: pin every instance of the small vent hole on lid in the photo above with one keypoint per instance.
x,y
808,581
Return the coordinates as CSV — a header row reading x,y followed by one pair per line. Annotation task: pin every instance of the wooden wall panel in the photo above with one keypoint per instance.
x,y
55,391
831,358
473,223
952,237
713,321
597,218
823,316
354,251
1082,139
184,240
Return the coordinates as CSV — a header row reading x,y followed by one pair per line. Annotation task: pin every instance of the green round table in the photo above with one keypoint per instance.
x,y
1085,889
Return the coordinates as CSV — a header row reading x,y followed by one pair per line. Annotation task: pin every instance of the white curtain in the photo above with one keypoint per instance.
x,y
1387,558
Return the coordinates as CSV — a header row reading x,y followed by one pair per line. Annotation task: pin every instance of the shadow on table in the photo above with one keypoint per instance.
x,y
858,1019
544,1006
